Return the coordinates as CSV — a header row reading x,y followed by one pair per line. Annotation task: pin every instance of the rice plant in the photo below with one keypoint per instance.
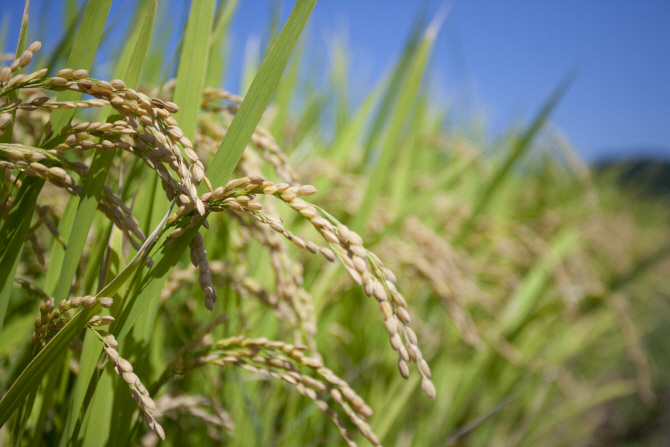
x,y
511,273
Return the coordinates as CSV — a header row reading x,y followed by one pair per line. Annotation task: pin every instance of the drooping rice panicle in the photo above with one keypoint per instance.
x,y
124,369
281,361
363,266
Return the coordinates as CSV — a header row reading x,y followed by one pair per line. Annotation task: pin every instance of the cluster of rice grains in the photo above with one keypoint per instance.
x,y
27,160
137,390
281,361
52,319
148,130
242,198
363,266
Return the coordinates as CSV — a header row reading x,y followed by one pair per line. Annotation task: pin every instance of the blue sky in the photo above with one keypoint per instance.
x,y
501,59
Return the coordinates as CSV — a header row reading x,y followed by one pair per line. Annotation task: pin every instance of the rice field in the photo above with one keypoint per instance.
x,y
184,265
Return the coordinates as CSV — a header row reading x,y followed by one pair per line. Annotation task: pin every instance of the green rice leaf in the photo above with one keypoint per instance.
x,y
32,375
57,250
340,80
82,55
253,106
85,212
216,64
23,34
401,116
128,51
93,185
529,293
48,397
192,65
352,132
12,236
521,146
398,75
64,45
285,91
15,229
15,334
4,30
572,408
224,161
10,261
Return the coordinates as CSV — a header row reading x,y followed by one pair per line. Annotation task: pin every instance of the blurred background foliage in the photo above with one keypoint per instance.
x,y
538,285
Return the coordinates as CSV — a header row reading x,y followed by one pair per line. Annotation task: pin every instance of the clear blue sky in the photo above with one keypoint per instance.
x,y
503,58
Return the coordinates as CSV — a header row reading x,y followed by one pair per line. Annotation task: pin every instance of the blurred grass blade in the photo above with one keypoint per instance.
x,y
521,146
442,181
12,236
48,396
81,57
216,64
7,273
250,63
401,116
23,33
32,375
66,41
57,250
403,392
641,267
272,29
465,430
585,401
285,91
406,157
129,48
70,12
398,76
192,65
16,333
520,306
340,81
4,30
351,133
